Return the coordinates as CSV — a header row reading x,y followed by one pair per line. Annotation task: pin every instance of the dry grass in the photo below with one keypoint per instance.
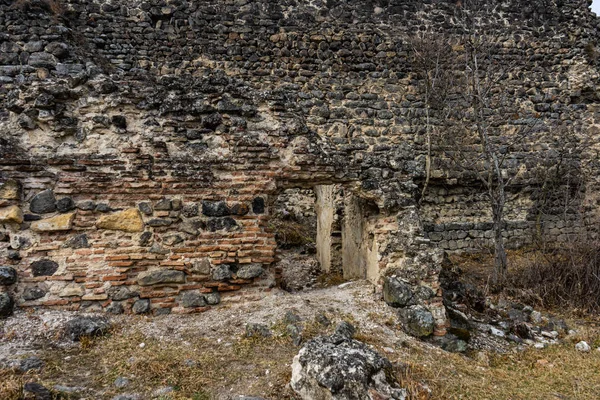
x,y
202,369
558,372
11,384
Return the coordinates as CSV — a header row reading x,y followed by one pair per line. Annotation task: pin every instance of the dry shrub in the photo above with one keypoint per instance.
x,y
11,385
291,233
566,276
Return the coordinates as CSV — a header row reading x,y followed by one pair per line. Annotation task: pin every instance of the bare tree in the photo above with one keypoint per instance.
x,y
431,58
481,125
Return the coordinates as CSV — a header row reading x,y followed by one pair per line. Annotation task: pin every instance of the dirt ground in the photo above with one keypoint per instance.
x,y
207,356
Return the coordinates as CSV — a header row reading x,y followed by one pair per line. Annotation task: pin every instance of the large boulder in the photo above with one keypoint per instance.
x,y
338,367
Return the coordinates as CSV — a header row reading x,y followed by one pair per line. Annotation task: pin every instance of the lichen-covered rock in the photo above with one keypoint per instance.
x,y
213,298
128,220
221,272
8,276
79,327
6,305
417,320
397,293
258,330
11,215
160,276
78,241
43,203
250,271
338,367
120,293
115,308
192,299
141,306
215,209
63,222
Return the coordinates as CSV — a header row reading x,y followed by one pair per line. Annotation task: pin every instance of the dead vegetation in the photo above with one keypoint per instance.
x,y
291,233
561,277
223,364
54,7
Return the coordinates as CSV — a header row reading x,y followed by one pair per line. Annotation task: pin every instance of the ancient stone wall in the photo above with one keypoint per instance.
x,y
142,142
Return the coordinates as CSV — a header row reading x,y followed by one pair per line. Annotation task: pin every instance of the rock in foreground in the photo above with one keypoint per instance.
x,y
86,326
338,367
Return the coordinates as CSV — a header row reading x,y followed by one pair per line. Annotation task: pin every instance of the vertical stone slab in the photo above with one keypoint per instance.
x,y
352,238
325,209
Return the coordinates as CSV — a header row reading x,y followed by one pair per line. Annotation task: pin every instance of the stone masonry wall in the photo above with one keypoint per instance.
x,y
142,141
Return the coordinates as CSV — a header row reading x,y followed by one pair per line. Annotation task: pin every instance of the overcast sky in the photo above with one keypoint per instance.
x,y
596,7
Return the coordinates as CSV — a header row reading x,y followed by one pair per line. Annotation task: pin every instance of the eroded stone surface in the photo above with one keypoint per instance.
x,y
160,277
63,222
338,367
128,220
11,215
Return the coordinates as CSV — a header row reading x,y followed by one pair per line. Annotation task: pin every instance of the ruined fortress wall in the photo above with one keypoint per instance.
x,y
142,142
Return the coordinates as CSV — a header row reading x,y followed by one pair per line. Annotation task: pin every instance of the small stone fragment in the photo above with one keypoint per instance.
x,y
29,363
121,382
33,293
257,330
221,272
115,308
258,205
250,271
146,208
215,209
35,391
141,306
146,239
120,293
163,205
213,298
78,242
583,347
65,204
86,205
192,299
6,305
8,276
